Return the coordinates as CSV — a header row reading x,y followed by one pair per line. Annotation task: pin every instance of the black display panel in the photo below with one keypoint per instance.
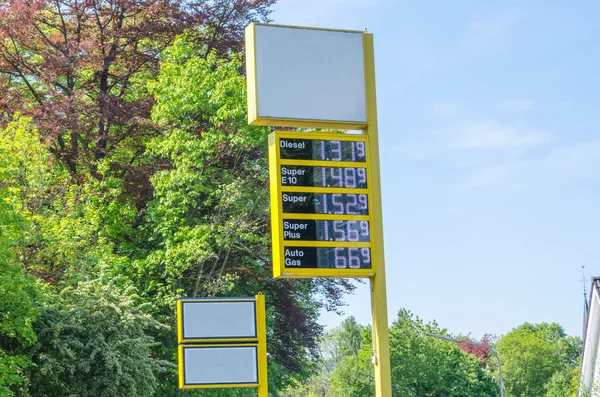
x,y
305,175
326,230
323,150
325,203
327,257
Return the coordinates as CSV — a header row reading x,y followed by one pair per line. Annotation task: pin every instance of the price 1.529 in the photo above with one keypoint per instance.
x,y
341,204
325,203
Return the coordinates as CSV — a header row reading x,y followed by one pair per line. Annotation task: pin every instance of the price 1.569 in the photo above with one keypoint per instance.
x,y
352,231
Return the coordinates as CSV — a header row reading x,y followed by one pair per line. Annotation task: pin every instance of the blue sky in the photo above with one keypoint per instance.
x,y
490,152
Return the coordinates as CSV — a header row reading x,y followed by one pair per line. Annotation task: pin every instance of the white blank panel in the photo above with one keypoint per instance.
x,y
220,365
219,320
310,74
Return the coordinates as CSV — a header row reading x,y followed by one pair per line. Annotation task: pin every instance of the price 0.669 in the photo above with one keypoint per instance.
x,y
349,258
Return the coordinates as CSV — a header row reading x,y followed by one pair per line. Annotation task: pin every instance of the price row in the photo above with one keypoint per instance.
x,y
323,150
326,230
327,257
325,203
342,177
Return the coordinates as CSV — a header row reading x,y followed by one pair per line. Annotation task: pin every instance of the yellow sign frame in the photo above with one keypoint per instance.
x,y
260,342
381,351
180,336
252,86
277,215
182,384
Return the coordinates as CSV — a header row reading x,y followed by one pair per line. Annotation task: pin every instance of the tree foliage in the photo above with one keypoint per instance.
x,y
421,364
18,291
135,162
80,67
481,349
93,340
537,358
129,178
563,383
432,367
343,341
209,216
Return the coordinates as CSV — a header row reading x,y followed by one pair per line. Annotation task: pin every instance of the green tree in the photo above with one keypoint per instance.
x,y
18,295
318,385
427,366
337,345
432,367
18,290
343,341
563,383
93,341
536,358
353,375
206,228
177,206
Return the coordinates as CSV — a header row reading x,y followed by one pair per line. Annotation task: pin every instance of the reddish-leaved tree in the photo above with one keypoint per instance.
x,y
80,67
481,352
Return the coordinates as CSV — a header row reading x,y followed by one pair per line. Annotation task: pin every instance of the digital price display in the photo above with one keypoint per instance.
x,y
327,257
325,203
321,218
327,150
326,230
302,175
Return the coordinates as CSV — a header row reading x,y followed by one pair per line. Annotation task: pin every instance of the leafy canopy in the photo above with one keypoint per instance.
x,y
18,291
537,359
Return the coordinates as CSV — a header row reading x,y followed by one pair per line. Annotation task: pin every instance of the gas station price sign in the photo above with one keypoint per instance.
x,y
320,208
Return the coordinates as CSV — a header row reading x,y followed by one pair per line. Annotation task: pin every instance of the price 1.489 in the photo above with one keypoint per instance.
x,y
316,176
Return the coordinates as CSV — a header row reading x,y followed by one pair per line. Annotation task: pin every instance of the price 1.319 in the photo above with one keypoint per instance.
x,y
328,150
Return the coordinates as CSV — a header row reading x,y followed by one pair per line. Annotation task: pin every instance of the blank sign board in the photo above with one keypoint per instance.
x,y
220,365
303,75
205,320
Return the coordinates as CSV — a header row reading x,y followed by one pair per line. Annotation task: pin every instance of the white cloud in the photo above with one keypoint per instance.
x,y
491,135
475,138
484,32
318,13
446,109
560,165
491,175
516,105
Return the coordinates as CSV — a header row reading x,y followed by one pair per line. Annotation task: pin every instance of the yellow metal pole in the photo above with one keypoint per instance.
x,y
381,344
180,365
261,327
